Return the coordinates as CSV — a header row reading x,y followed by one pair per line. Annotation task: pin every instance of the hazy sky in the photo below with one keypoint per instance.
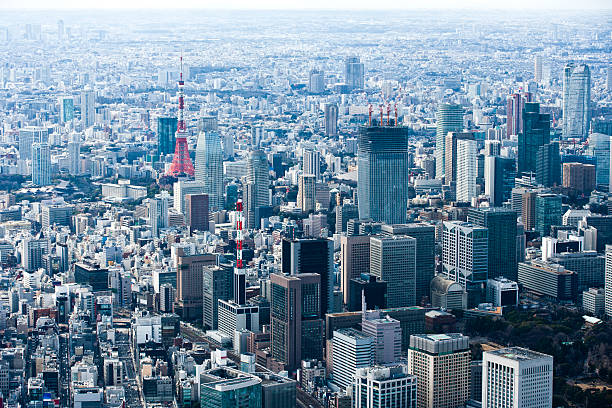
x,y
310,4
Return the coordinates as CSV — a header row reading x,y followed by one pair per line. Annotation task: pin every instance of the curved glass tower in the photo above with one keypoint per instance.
x,y
209,167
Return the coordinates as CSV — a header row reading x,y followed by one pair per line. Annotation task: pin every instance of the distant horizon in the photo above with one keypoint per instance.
x,y
313,5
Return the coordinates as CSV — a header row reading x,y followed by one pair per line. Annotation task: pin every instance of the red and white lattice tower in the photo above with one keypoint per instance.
x,y
239,236
181,163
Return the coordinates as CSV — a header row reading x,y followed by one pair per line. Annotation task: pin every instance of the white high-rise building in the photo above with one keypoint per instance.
x,y
515,377
537,68
608,282
576,101
306,198
88,111
387,333
158,211
467,170
389,387
74,156
28,136
209,167
465,253
441,363
311,163
41,164
351,349
258,175
393,260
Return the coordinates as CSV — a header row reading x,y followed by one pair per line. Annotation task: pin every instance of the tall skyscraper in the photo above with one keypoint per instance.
x,y
189,270
548,165
354,73
351,349
547,212
331,119
599,147
441,363
28,136
465,249
306,198
316,81
295,316
74,157
209,167
467,170
196,211
386,332
388,386
576,101
425,235
354,260
258,175
608,282
217,285
88,111
514,112
66,104
312,256
449,119
499,173
382,183
451,160
158,212
41,164
537,68
181,161
181,189
501,226
344,213
311,163
515,377
166,140
393,259
536,133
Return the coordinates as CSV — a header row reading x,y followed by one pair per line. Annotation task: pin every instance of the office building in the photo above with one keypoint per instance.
x,y
277,391
166,139
499,175
528,212
467,170
306,192
28,136
311,163
369,286
331,119
351,349
514,112
387,334
548,165
450,151
441,364
588,265
393,260
594,301
547,212
548,280
502,292
295,317
537,68
189,278
536,133
608,282
166,298
86,396
258,176
56,214
382,185
344,213
316,81
196,211
32,253
501,226
580,177
66,105
449,118
74,158
88,112
599,147
354,260
93,274
233,316
302,256
159,208
390,386
181,189
353,73
465,249
41,164
576,101
217,285
209,167
224,387
515,377
448,294
425,252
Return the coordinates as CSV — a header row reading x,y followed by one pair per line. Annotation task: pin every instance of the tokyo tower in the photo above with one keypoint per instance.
x,y
181,163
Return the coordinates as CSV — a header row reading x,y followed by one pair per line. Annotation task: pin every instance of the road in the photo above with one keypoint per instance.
x,y
133,391
193,334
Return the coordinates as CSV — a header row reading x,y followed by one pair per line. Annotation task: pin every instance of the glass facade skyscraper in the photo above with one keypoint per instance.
x,y
166,140
547,212
536,133
209,167
576,101
382,182
449,118
41,164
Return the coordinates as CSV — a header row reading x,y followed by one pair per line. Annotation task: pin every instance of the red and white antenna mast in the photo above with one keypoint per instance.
x,y
239,234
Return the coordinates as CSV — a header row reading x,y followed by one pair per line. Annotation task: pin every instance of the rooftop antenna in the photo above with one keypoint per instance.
x,y
370,115
388,112
395,106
